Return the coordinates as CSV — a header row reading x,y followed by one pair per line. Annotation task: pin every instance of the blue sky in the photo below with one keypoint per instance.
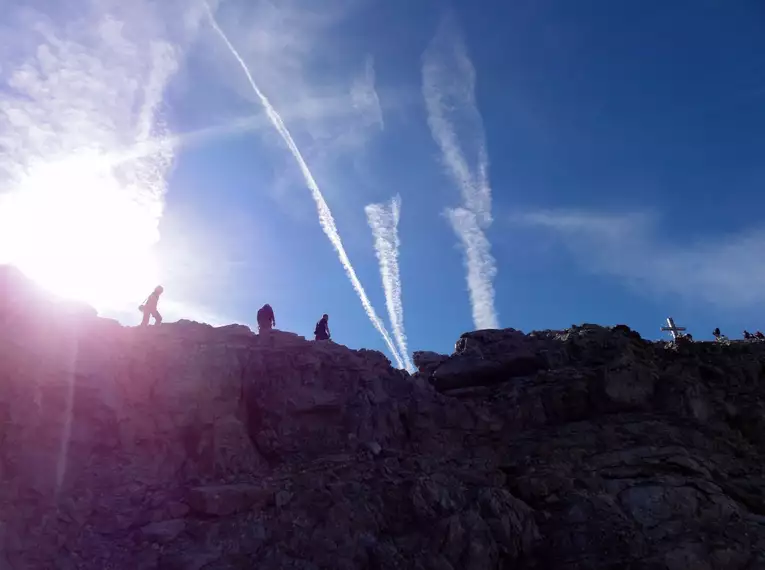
x,y
552,162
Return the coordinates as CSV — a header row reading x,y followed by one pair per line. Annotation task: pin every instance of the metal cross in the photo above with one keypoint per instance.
x,y
673,329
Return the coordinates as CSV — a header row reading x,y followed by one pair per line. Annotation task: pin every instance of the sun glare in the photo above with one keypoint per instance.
x,y
76,230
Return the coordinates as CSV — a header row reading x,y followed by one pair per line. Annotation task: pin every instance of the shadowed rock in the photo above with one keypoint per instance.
x,y
427,361
487,357
194,447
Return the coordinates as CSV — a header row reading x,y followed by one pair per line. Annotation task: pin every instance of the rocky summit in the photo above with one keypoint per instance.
x,y
190,447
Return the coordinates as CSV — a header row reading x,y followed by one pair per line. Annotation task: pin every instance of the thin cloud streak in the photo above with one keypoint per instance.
x,y
480,266
383,221
724,271
448,87
364,95
325,215
331,107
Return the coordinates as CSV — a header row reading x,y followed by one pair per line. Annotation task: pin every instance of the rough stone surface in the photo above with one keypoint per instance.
x,y
197,448
427,361
164,531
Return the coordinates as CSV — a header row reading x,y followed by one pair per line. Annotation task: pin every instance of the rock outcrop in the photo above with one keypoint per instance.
x,y
197,448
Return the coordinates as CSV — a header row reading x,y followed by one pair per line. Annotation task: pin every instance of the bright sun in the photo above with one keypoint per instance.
x,y
75,229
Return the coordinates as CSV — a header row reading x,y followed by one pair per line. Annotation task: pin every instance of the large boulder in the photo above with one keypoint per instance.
x,y
487,357
427,361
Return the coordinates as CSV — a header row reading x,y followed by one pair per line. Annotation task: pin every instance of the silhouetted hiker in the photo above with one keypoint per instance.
x,y
716,333
759,336
322,328
266,320
149,307
748,335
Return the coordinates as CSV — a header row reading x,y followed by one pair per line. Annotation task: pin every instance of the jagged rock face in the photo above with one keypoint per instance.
x,y
189,447
427,361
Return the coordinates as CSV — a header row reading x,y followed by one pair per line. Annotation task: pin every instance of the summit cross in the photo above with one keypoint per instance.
x,y
673,329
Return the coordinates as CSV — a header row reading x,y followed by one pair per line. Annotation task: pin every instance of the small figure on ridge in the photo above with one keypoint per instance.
x,y
748,335
759,336
149,307
322,328
716,333
266,319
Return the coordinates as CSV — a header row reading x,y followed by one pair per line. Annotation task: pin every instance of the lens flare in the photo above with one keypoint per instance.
x,y
81,233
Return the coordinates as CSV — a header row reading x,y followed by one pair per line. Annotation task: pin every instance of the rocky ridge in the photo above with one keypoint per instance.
x,y
197,448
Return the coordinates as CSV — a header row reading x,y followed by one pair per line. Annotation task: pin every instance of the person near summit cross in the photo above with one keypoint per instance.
x,y
149,307
322,328
266,319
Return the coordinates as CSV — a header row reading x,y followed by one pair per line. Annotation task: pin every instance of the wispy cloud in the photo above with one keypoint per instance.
x,y
722,270
77,88
347,138
92,83
383,220
313,109
448,87
449,90
290,47
364,95
364,120
325,215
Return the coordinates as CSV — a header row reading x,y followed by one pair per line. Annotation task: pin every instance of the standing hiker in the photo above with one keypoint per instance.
x,y
149,307
322,328
266,319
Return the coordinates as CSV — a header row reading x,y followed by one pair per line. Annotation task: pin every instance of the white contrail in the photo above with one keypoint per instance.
x,y
383,220
325,215
480,265
448,86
